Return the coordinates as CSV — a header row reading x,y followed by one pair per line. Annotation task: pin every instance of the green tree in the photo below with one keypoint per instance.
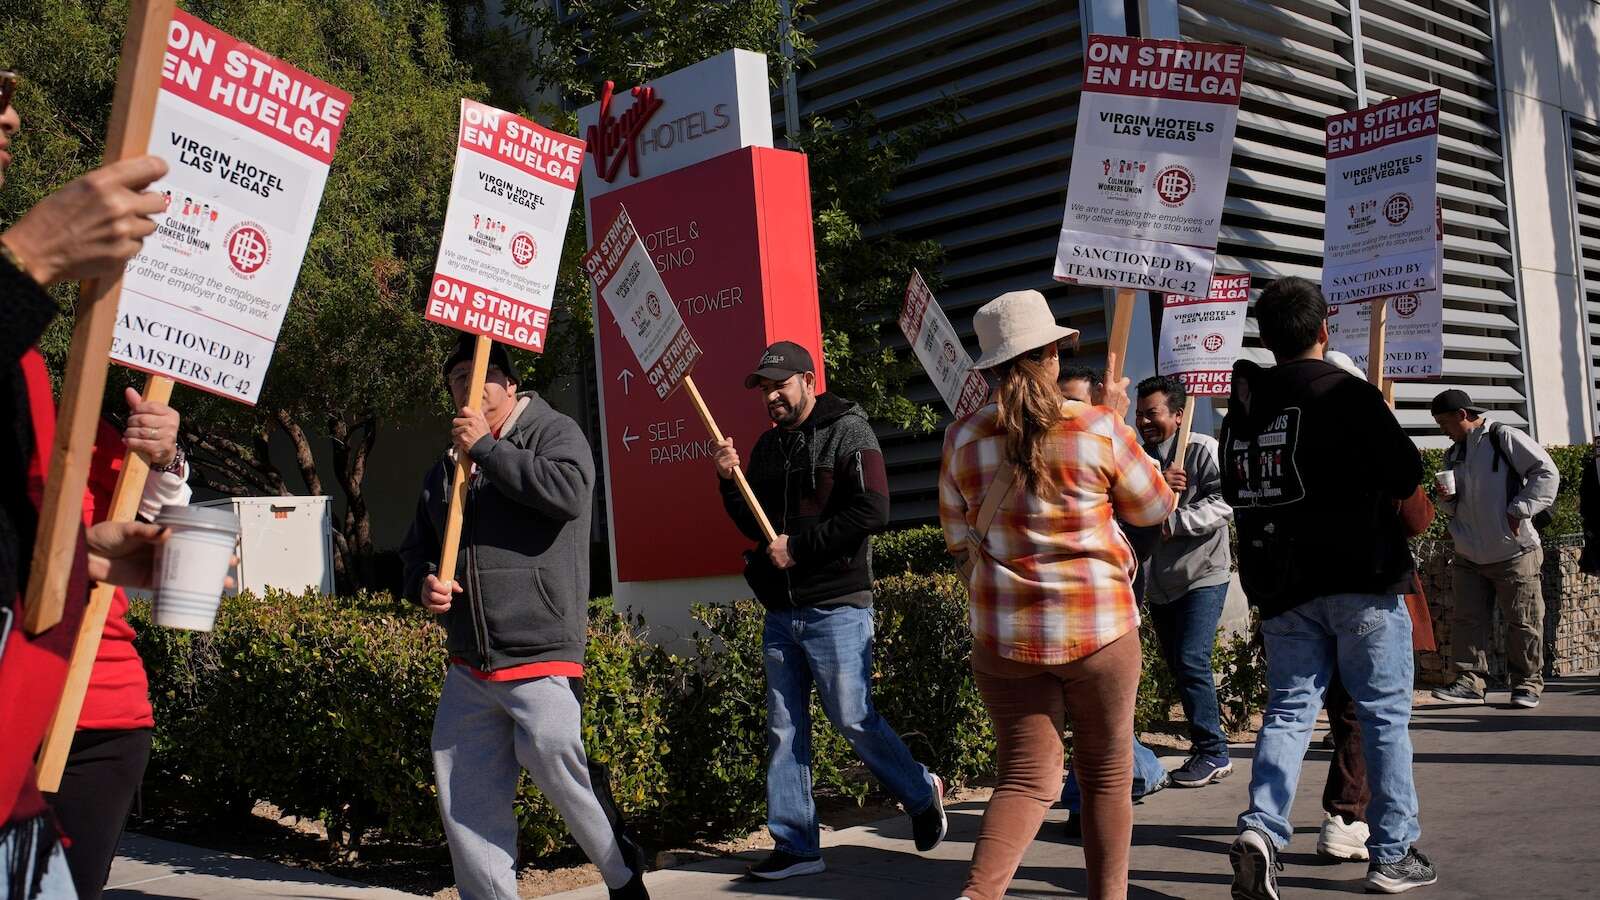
x,y
861,273
354,351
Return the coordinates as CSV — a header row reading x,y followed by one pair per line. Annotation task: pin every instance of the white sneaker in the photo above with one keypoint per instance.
x,y
1343,841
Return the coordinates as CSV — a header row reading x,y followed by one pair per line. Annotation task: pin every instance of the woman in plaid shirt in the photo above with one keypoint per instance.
x,y
1053,616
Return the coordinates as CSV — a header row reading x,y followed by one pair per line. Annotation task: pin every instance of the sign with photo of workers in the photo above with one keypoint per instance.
x,y
247,139
622,273
510,199
938,348
1150,164
1202,336
1382,178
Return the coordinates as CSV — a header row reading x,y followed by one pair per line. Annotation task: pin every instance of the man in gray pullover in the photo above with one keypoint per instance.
x,y
1503,481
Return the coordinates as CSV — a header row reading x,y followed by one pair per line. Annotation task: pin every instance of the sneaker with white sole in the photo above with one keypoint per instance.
x,y
780,865
1255,866
1413,870
1527,698
1200,770
929,826
1343,840
1462,693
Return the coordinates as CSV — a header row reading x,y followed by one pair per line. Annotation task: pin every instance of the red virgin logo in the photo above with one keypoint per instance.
x,y
614,140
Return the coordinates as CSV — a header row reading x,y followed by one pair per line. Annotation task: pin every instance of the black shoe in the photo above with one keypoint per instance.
x,y
633,890
1461,692
1255,866
928,827
780,865
1527,698
1410,871
1073,826
635,857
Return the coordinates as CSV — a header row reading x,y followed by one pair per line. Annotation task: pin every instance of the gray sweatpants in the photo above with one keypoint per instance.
x,y
481,733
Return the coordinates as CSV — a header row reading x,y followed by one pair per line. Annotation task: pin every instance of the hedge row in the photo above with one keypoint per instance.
x,y
323,706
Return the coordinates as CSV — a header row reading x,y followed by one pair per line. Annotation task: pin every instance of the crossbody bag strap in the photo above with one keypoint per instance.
x,y
998,490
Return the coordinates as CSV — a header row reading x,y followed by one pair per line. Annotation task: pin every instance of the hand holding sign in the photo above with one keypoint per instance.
x,y
726,459
91,227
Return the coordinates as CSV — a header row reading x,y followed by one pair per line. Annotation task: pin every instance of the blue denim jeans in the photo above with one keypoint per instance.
x,y
1368,638
1148,773
1187,631
831,648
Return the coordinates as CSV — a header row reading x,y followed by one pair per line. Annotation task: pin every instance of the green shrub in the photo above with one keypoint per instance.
x,y
911,551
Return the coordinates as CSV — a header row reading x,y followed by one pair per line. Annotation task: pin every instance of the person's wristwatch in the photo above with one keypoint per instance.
x,y
175,466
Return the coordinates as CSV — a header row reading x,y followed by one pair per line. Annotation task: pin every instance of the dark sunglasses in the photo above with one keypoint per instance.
x,y
8,87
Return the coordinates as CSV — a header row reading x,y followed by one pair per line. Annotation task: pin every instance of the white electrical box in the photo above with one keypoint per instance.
x,y
284,542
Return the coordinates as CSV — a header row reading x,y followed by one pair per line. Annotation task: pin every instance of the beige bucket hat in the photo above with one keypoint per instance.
x,y
1014,323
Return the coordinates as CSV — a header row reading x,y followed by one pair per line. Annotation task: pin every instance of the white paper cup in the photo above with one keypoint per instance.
x,y
192,564
1446,479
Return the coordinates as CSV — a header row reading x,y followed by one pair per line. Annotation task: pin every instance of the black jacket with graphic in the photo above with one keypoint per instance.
x,y
1315,466
824,485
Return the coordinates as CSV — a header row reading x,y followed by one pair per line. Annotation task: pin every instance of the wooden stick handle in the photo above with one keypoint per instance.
x,y
458,485
1121,327
738,475
125,499
84,382
1184,429
1375,337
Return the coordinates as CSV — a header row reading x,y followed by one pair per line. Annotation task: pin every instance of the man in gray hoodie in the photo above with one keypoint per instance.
x,y
1503,483
517,619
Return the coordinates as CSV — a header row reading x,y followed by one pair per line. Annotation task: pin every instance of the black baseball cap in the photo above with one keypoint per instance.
x,y
781,360
1454,400
467,344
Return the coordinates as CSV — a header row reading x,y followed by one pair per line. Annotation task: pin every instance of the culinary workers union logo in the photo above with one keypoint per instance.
x,y
654,302
1212,343
1397,208
523,249
1406,305
1174,184
248,248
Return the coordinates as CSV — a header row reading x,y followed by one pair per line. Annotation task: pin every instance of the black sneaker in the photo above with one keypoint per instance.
x,y
633,890
1410,871
1255,866
780,865
1527,698
929,826
1200,770
635,857
1461,692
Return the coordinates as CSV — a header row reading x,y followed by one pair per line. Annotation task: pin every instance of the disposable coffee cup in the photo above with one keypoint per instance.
x,y
192,564
1446,479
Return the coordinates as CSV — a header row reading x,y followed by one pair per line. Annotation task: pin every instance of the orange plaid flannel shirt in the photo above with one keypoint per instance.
x,y
1055,579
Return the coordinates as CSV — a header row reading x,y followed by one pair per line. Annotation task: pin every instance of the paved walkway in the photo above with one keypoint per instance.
x,y
150,868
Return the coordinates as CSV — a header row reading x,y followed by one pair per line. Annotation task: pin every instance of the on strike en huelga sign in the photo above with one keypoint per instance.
x,y
939,349
622,273
247,139
1381,181
1413,334
509,203
1201,336
1150,164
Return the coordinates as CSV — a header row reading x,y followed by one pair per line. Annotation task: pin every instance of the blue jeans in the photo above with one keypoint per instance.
x,y
1187,631
831,648
1148,773
1368,638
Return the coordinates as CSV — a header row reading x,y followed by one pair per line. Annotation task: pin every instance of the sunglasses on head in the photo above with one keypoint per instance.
x,y
8,87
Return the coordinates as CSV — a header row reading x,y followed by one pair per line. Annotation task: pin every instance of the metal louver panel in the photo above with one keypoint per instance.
x,y
1586,197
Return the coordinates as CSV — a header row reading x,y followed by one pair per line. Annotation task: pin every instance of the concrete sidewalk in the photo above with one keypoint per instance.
x,y
1509,810
151,868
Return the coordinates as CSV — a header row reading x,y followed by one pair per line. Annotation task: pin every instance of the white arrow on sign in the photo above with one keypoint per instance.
x,y
628,439
623,377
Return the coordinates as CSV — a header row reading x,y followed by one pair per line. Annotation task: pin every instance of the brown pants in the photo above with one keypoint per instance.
x,y
1512,585
1030,706
1346,793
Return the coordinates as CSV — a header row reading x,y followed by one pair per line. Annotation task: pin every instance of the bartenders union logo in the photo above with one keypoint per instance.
x,y
654,302
524,249
1212,343
1174,184
1406,305
248,248
949,352
1397,208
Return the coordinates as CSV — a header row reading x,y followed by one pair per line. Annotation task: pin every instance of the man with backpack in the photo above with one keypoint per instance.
x,y
1497,489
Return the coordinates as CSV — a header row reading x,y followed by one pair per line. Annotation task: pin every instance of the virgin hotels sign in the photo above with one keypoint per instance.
x,y
689,116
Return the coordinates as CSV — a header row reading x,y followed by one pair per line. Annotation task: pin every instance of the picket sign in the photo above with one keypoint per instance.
x,y
1375,334
749,495
52,760
1121,326
84,381
1184,428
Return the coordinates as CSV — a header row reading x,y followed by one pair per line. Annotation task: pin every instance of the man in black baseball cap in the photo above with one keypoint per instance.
x,y
1453,401
779,362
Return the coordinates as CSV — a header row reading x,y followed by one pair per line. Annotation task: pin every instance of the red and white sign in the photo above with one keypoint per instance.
x,y
247,139
1382,176
939,349
1150,164
1413,333
509,204
624,275
1201,336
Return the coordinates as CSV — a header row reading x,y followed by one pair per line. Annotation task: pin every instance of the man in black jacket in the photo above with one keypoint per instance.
x,y
819,475
517,618
1315,467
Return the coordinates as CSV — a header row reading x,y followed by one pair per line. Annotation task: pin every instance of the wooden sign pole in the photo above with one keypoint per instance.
x,y
84,382
458,486
1121,326
125,499
738,475
1184,429
1375,337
